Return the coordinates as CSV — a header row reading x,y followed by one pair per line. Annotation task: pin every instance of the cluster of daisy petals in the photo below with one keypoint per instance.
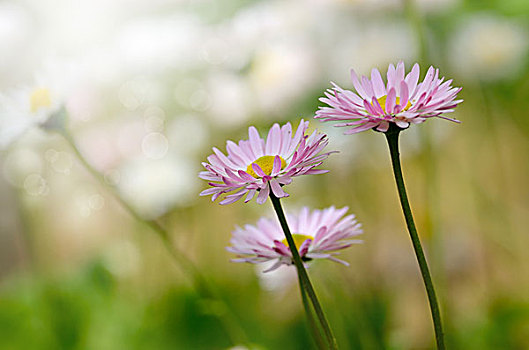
x,y
318,235
262,167
26,108
401,101
256,166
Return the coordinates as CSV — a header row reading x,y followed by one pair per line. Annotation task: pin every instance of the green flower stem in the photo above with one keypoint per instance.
x,y
310,318
305,283
233,329
392,136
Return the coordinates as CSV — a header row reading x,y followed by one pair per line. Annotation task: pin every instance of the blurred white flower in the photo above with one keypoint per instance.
x,y
278,280
15,31
272,21
154,186
74,29
38,104
25,108
379,44
281,73
161,43
276,45
488,47
230,99
215,48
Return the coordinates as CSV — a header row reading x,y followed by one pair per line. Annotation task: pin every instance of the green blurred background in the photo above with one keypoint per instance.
x,y
160,82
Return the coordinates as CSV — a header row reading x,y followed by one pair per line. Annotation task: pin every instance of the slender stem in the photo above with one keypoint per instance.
x,y
230,324
310,318
392,136
303,276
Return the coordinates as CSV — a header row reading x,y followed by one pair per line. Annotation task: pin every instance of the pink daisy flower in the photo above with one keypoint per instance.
x,y
258,166
318,235
401,101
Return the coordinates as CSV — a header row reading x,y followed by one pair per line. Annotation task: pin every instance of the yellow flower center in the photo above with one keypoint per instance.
x,y
382,102
40,98
266,163
298,239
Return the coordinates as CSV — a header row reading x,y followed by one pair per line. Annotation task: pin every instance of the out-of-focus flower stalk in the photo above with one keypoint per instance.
x,y
392,136
305,284
202,286
310,317
27,233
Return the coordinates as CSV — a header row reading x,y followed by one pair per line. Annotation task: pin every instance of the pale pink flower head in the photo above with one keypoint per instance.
x,y
257,166
319,234
402,100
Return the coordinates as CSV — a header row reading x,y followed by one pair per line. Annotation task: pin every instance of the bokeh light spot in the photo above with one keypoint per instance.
x,y
155,145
